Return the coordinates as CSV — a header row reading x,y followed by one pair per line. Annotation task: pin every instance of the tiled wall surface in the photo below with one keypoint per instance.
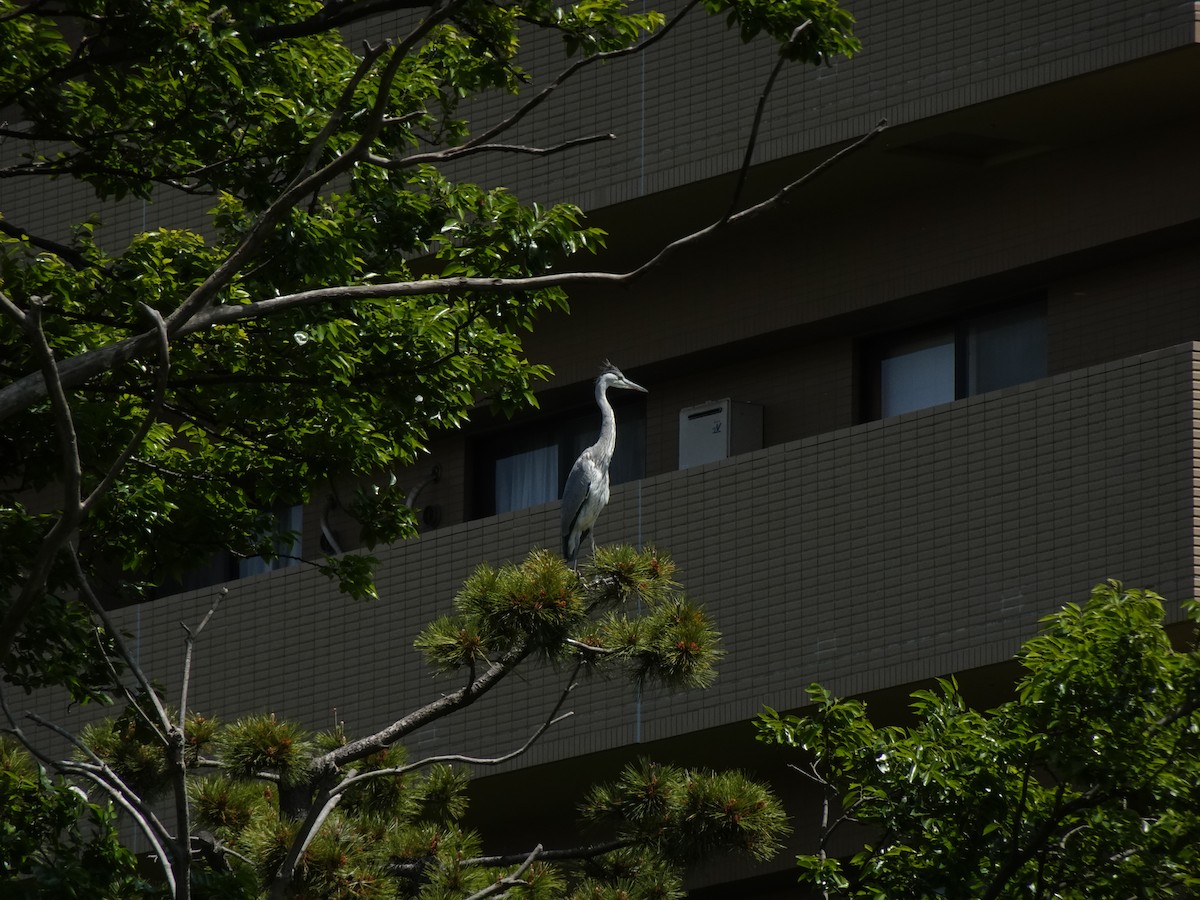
x,y
1101,313
683,112
863,557
860,555
963,228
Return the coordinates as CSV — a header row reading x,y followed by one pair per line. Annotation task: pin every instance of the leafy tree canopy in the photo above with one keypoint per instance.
x,y
343,300
1086,785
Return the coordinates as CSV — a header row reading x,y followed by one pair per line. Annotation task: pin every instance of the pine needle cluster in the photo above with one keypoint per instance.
x,y
623,611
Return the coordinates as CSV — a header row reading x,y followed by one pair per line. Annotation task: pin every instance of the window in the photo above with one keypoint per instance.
x,y
226,566
528,465
526,478
289,521
916,373
941,363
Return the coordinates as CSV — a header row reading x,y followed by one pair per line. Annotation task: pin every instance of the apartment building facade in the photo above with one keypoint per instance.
x,y
958,374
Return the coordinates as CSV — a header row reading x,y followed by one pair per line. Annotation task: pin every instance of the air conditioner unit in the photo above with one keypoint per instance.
x,y
718,429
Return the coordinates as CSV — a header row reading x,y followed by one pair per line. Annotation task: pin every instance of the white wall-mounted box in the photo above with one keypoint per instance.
x,y
718,429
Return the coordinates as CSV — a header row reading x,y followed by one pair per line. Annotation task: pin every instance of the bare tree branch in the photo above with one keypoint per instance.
x,y
431,712
160,721
140,818
172,737
459,152
780,198
322,768
588,851
758,114
414,867
551,720
512,879
347,293
338,115
72,511
12,311
189,643
326,799
102,774
69,254
323,804
538,99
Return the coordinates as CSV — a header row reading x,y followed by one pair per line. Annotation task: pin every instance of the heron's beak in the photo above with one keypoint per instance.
x,y
631,385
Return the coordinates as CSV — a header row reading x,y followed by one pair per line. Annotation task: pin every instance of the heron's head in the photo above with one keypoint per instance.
x,y
611,376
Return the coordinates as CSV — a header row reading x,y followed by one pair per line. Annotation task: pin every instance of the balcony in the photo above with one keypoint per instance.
x,y
864,558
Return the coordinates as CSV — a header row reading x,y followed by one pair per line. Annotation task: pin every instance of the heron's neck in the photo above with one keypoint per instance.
x,y
603,448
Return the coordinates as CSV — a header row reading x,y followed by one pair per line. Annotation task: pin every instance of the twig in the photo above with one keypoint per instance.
x,y
68,254
336,117
327,799
541,97
580,645
348,293
511,879
160,712
322,767
11,310
588,852
552,719
414,867
171,736
778,199
461,151
154,830
189,644
72,512
758,115
453,758
443,706
137,814
323,804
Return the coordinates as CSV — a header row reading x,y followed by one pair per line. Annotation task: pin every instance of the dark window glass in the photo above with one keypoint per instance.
x,y
917,373
977,354
1006,348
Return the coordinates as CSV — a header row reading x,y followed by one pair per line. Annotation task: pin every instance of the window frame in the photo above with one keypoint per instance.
x,y
875,350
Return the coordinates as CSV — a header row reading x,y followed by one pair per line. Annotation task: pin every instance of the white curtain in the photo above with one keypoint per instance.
x,y
527,479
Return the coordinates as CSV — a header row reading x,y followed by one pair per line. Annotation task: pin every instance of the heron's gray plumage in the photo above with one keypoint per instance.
x,y
586,491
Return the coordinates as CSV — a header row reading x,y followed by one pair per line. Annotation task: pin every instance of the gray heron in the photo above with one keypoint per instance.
x,y
586,490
